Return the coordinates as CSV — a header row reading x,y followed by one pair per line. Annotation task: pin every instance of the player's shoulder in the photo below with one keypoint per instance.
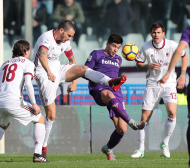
x,y
97,53
146,45
171,43
48,35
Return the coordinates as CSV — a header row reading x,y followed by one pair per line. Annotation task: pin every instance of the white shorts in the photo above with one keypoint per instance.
x,y
49,90
24,114
152,97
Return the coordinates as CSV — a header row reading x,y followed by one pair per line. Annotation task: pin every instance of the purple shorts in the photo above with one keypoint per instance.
x,y
188,99
96,94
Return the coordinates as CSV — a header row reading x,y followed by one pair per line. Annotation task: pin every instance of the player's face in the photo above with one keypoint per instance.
x,y
66,35
112,49
157,35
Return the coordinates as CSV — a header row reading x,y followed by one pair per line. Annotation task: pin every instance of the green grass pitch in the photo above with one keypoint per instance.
x,y
151,160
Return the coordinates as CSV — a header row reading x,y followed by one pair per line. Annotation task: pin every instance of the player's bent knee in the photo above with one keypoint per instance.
x,y
41,120
121,130
5,127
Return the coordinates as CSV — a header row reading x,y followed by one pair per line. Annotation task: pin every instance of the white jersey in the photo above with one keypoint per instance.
x,y
55,49
12,80
161,55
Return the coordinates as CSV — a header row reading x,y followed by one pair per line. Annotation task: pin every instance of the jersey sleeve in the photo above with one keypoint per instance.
x,y
29,70
141,58
186,35
91,60
175,45
45,42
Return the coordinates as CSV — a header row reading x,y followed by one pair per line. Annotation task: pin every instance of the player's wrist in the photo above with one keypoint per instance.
x,y
183,72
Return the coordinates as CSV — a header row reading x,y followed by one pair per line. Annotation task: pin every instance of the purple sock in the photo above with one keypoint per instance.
x,y
117,107
114,139
188,138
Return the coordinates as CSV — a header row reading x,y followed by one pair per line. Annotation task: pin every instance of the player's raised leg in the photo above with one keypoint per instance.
x,y
169,127
83,71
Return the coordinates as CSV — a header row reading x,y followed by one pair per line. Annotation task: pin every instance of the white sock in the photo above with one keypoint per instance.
x,y
97,77
38,135
2,131
169,128
142,137
48,126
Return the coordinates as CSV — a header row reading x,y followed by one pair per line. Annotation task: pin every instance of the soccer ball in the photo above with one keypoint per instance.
x,y
130,51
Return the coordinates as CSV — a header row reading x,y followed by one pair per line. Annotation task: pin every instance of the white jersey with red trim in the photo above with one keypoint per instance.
x,y
54,48
162,54
12,80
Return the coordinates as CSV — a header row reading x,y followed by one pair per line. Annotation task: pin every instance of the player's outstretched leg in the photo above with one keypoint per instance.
x,y
77,71
108,152
117,107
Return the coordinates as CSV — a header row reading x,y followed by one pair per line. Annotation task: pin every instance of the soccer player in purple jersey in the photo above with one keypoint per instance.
x,y
185,40
107,62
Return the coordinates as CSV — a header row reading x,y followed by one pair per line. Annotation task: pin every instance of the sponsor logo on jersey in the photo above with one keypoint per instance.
x,y
162,63
115,105
110,62
89,58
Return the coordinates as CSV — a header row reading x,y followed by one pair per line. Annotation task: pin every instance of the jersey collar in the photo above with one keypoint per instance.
x,y
58,42
161,46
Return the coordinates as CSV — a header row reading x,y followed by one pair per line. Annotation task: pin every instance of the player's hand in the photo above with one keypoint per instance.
x,y
51,77
69,17
36,108
181,82
164,79
154,66
72,87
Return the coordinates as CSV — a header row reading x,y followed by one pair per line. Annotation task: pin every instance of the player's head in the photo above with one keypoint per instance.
x,y
113,44
21,48
66,31
157,32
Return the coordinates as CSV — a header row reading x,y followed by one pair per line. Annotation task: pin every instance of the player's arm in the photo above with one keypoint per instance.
x,y
142,66
44,61
175,58
73,86
30,90
181,79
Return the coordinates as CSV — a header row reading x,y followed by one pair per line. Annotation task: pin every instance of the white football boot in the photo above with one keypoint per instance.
x,y
108,152
138,154
165,150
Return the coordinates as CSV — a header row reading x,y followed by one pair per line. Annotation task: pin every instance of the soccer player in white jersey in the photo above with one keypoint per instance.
x,y
14,73
158,52
49,73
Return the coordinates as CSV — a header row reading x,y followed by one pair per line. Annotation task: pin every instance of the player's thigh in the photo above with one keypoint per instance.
x,y
120,125
169,97
75,72
50,111
25,114
47,89
151,98
106,96
4,118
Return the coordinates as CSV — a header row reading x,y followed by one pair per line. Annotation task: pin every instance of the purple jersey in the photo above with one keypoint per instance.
x,y
100,61
186,35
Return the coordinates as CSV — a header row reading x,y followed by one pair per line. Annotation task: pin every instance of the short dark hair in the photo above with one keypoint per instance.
x,y
156,25
20,48
115,38
66,25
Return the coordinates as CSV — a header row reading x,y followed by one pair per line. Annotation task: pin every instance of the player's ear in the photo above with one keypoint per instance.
x,y
61,30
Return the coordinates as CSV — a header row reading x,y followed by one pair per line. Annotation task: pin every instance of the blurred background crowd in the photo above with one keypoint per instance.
x,y
96,19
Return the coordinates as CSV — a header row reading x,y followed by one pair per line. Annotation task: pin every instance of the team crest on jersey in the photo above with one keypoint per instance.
x,y
61,49
167,54
89,58
115,105
117,60
152,55
46,100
